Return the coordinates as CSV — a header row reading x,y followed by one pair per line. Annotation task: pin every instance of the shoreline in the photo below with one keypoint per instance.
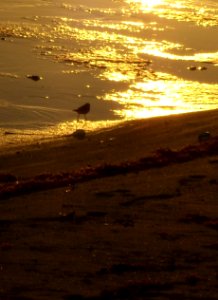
x,y
150,233
141,138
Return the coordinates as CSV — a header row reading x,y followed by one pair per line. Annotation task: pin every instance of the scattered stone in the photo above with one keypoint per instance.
x,y
67,217
34,77
202,68
8,132
204,136
192,68
79,134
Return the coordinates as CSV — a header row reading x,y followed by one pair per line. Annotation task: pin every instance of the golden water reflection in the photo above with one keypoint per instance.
x,y
165,95
183,10
118,48
117,44
69,127
13,138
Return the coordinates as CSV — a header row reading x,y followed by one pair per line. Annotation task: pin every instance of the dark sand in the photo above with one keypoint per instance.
x,y
148,233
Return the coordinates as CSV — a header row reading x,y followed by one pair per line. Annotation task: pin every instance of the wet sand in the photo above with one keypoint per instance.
x,y
126,213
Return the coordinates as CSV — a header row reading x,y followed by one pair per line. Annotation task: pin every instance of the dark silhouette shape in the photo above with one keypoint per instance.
x,y
82,110
34,77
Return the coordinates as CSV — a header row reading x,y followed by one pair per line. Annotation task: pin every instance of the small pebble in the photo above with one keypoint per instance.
x,y
34,77
202,68
192,68
80,134
204,136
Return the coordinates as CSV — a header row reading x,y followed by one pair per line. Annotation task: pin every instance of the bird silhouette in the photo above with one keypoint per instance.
x,y
82,110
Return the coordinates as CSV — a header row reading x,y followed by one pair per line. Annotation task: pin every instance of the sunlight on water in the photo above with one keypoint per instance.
x,y
137,58
163,96
197,57
189,11
10,139
143,4
70,127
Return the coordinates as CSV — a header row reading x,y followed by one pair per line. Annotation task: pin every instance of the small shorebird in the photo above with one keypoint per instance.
x,y
82,110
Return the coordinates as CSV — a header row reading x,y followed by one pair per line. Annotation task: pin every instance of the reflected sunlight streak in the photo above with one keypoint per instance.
x,y
193,11
147,3
115,47
163,96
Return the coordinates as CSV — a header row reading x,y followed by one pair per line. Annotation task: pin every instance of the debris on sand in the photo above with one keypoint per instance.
x,y
79,134
34,77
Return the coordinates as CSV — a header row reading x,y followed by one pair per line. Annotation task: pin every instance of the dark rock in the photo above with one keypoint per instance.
x,y
34,77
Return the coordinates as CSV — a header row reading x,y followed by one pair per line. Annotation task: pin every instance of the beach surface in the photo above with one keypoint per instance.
x,y
128,212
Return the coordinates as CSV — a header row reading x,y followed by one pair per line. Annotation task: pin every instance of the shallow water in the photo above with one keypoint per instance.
x,y
129,58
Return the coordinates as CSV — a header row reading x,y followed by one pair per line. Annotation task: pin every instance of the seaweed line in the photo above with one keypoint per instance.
x,y
160,158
